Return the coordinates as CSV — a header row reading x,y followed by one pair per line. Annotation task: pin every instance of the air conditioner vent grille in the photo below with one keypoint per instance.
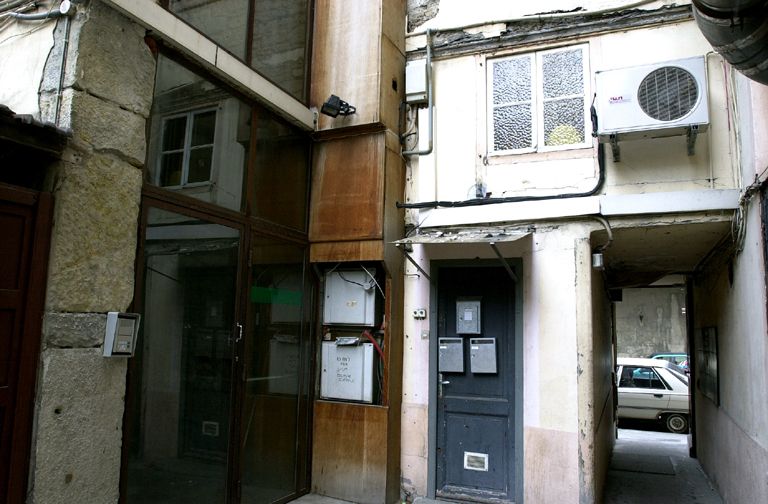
x,y
668,93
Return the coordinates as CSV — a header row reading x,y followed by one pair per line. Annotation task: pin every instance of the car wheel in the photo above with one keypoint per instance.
x,y
677,423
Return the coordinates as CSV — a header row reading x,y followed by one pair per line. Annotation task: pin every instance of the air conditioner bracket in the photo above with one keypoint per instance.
x,y
690,134
615,148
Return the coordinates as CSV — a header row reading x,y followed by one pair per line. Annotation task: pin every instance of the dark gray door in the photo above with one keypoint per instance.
x,y
475,418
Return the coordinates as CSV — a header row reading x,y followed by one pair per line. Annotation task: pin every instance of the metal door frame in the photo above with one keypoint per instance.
x,y
435,268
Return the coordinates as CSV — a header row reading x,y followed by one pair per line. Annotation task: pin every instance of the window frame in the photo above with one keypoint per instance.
x,y
537,102
187,147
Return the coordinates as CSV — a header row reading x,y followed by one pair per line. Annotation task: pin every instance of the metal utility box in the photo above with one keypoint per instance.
x,y
482,355
350,298
416,82
468,316
121,334
347,372
451,355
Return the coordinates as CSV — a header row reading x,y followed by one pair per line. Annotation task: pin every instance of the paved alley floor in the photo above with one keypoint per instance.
x,y
654,467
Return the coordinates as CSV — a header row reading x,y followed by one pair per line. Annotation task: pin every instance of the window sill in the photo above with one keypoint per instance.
x,y
535,157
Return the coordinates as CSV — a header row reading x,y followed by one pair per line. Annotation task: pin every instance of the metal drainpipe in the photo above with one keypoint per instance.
x,y
60,86
428,150
738,30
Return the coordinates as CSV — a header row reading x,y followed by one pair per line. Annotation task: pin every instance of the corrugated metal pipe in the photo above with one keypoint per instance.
x,y
738,30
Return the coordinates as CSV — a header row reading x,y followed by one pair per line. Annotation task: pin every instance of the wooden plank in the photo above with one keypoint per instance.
x,y
392,85
347,189
349,456
372,250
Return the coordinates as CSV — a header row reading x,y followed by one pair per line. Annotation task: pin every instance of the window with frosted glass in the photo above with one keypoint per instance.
x,y
537,101
199,137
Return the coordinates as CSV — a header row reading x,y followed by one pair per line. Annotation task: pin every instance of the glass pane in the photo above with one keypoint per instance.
x,y
275,421
281,172
223,21
170,169
203,127
181,379
280,44
173,133
182,93
562,73
200,165
512,127
512,80
564,122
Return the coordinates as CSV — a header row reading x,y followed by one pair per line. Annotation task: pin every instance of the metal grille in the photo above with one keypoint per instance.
x,y
668,93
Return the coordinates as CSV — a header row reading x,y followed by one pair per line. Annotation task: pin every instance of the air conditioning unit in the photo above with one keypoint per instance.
x,y
652,101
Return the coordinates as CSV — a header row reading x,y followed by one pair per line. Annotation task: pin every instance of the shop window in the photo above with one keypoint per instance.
x,y
538,101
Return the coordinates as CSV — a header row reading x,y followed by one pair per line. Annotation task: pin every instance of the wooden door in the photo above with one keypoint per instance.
x,y
25,218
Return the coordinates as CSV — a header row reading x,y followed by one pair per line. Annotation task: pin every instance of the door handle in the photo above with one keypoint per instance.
x,y
239,336
444,382
658,395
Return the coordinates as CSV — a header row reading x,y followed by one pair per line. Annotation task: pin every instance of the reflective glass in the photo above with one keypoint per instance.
x,y
279,49
281,172
208,129
223,21
275,406
181,377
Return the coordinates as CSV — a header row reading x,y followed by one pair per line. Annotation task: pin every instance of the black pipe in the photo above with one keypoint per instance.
x,y
517,199
738,30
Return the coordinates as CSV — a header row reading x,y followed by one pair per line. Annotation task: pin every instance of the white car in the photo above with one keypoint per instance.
x,y
653,389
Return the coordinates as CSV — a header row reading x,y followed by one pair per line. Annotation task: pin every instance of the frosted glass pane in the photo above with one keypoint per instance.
x,y
512,80
512,127
564,122
562,73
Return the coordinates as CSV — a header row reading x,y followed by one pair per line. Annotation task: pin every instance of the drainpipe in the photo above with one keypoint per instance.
x,y
738,30
428,150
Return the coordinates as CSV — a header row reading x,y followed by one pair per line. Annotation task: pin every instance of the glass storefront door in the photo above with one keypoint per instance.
x,y
182,377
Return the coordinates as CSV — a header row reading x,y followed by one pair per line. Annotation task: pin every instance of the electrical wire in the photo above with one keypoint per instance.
x,y
374,281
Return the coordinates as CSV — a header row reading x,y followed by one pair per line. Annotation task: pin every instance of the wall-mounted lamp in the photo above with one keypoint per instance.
x,y
335,106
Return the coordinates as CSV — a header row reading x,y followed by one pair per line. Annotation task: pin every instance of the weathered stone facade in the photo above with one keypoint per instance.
x,y
104,98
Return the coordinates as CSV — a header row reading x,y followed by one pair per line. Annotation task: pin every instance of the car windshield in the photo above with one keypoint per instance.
x,y
678,373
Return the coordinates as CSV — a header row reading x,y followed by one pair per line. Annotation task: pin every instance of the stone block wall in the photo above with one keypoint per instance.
x,y
98,82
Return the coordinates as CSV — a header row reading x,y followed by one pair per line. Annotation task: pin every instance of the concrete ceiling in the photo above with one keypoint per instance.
x,y
639,256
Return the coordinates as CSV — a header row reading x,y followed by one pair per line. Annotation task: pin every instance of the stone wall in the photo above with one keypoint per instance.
x,y
651,320
105,100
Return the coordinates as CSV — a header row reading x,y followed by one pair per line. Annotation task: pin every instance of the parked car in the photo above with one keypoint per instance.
x,y
653,389
681,359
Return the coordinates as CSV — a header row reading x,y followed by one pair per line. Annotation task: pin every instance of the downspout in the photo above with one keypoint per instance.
x,y
428,150
738,30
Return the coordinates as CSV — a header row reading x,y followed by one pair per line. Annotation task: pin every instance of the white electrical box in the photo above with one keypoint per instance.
x,y
347,372
121,334
416,81
350,298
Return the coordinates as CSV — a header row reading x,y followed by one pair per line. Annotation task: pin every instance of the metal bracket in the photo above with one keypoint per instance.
x,y
615,148
691,134
408,256
504,262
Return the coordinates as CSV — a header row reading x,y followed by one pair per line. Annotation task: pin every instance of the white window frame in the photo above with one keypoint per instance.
x,y
537,101
186,148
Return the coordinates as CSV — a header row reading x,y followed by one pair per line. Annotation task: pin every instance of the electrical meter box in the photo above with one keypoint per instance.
x,y
468,316
350,298
347,371
482,355
450,355
121,334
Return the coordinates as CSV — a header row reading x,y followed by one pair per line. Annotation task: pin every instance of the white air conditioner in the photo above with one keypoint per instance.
x,y
651,101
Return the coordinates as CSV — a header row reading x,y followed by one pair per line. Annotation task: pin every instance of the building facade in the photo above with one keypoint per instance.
x,y
548,172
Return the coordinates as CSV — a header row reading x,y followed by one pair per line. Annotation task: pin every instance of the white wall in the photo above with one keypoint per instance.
x,y
24,49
